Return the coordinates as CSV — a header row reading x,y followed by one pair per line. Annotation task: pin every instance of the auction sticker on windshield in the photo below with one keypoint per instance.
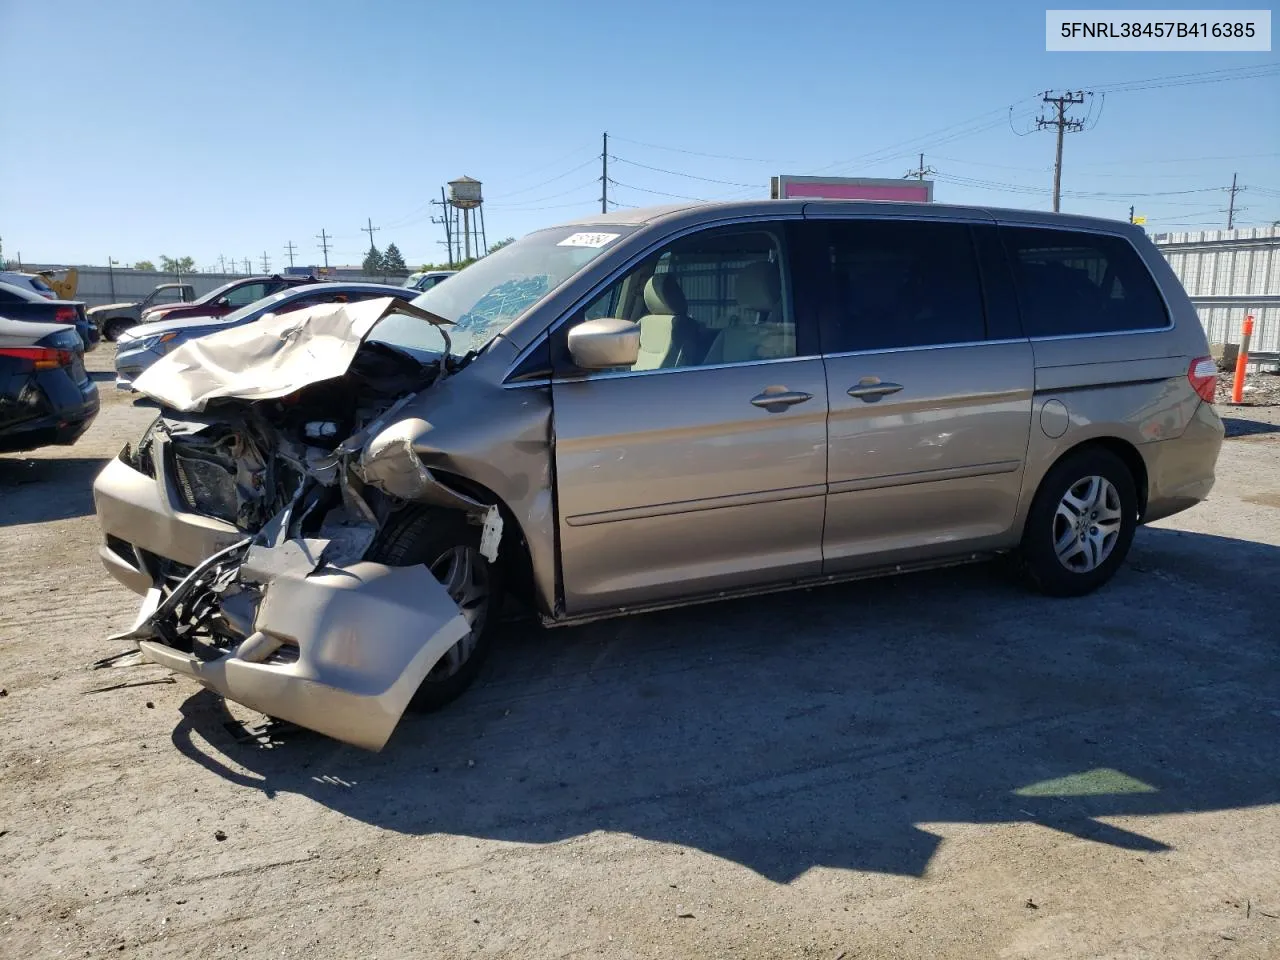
x,y
588,239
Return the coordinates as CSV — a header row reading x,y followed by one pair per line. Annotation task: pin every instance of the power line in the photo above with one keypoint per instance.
x,y
698,153
324,245
659,193
604,174
677,173
1231,205
1064,124
551,196
919,172
370,230
543,183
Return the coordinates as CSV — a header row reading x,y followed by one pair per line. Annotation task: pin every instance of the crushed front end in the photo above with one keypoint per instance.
x,y
248,524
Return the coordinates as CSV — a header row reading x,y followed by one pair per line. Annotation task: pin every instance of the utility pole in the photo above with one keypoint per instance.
x,y
444,219
248,266
289,248
324,245
1231,206
604,175
370,230
222,264
266,264
919,172
111,277
1065,125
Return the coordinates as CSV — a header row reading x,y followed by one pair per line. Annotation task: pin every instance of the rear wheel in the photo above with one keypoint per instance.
x,y
449,547
1081,524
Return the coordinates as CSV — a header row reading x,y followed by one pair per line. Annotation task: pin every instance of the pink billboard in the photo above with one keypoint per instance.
x,y
851,188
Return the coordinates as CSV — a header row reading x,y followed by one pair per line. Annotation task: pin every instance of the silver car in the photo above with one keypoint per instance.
x,y
139,346
647,409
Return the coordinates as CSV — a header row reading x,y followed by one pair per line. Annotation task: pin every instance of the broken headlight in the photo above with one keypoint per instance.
x,y
140,457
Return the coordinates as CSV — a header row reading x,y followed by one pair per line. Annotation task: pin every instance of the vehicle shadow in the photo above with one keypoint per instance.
x,y
1243,427
102,376
837,727
37,489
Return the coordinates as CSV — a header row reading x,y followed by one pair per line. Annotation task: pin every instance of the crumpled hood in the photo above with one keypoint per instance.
x,y
153,329
271,357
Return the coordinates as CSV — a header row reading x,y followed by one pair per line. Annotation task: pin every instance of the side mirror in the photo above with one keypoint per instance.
x,y
605,344
224,302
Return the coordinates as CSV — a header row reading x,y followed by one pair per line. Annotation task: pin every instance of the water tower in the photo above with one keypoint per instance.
x,y
465,196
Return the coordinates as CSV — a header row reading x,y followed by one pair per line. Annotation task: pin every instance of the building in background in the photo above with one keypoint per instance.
x,y
1228,274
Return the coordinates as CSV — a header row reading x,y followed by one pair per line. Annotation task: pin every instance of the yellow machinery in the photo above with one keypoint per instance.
x,y
66,286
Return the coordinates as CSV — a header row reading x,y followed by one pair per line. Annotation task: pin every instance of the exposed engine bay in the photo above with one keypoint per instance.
x,y
293,619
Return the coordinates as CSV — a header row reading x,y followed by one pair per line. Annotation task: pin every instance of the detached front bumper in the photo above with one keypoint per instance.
x,y
338,650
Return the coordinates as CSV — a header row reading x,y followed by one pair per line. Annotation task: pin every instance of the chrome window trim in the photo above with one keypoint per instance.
x,y
622,374
926,346
631,262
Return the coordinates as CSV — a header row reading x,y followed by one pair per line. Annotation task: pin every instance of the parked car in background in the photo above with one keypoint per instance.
x,y
29,281
112,319
23,303
427,280
651,408
225,299
46,397
146,343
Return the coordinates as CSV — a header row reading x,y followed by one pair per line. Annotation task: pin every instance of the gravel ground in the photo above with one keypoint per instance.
x,y
932,766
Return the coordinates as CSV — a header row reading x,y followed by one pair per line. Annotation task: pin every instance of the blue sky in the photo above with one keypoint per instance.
x,y
141,128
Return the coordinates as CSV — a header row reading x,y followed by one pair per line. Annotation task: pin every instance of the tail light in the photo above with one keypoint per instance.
x,y
40,358
65,315
1203,374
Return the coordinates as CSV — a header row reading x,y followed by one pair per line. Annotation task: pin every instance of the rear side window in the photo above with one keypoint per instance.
x,y
1081,283
899,283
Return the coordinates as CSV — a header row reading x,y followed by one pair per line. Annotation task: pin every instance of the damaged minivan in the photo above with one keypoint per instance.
x,y
646,409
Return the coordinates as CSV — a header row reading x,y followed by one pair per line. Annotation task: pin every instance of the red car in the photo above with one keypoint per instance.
x,y
226,298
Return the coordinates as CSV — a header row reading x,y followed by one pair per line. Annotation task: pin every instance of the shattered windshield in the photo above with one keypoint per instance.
x,y
485,297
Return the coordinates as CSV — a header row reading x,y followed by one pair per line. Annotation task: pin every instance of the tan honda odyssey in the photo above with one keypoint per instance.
x,y
646,409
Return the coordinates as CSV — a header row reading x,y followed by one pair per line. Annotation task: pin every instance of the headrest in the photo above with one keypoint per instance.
x,y
662,295
758,287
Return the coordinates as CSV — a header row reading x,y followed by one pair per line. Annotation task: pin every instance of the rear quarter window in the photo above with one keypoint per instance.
x,y
1073,283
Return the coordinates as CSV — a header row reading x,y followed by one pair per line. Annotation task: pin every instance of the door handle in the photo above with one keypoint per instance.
x,y
869,390
774,399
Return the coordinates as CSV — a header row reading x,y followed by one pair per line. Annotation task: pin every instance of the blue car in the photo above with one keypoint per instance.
x,y
140,346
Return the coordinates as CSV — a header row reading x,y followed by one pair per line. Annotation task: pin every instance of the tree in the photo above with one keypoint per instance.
x,y
392,261
145,265
181,265
501,243
372,261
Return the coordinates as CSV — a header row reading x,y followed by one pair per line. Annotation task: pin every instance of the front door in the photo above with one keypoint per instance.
x,y
930,392
703,468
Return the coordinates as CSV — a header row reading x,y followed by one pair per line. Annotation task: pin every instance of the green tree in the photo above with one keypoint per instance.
x,y
501,243
145,265
372,262
180,265
392,261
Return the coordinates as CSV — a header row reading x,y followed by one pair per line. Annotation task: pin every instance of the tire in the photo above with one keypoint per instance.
x,y
1068,551
436,538
112,329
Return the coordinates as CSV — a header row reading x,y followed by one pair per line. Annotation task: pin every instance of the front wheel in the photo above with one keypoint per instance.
x,y
1081,524
449,546
112,329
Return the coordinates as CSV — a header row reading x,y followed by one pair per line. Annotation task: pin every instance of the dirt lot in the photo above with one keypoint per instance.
x,y
934,766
